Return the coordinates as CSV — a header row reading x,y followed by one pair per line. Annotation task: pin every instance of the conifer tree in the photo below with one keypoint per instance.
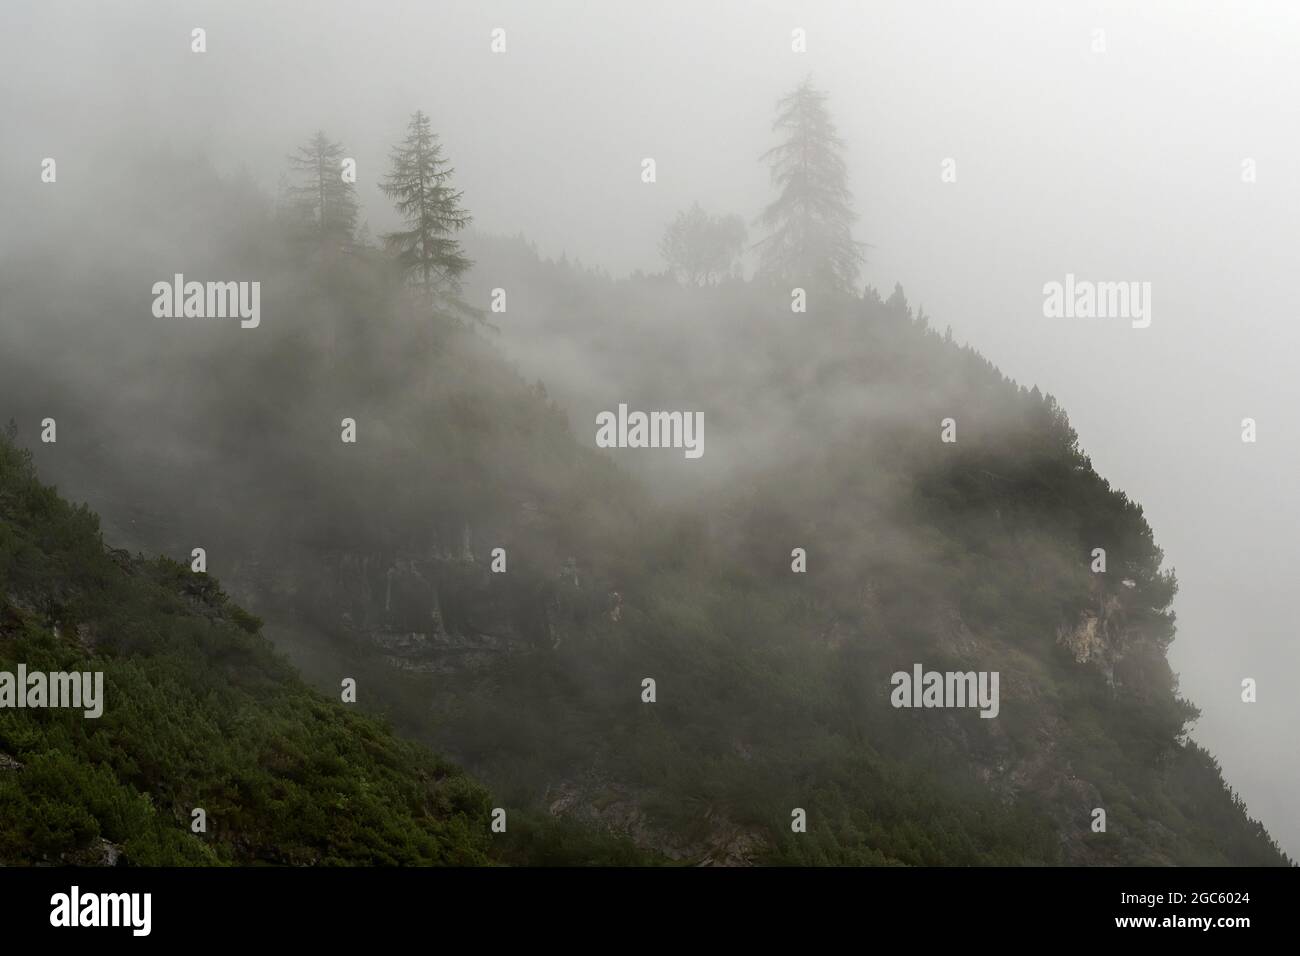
x,y
418,182
326,202
810,221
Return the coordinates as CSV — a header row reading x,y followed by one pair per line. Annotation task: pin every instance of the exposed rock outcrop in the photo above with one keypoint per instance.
x,y
1099,637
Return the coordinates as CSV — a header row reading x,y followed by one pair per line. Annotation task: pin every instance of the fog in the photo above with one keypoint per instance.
x,y
1124,165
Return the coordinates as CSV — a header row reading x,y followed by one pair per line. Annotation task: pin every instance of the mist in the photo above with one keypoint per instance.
x,y
1119,164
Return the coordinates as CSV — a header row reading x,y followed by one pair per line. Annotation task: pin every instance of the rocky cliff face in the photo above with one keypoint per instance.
x,y
436,610
442,612
1100,635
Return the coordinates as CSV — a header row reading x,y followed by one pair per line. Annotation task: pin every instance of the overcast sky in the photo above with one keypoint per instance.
x,y
1117,165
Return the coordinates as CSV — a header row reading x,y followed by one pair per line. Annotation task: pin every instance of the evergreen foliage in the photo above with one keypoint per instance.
x,y
810,238
418,181
324,201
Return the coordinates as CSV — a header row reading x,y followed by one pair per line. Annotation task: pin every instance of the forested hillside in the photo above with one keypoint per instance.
x,y
371,560
198,712
643,655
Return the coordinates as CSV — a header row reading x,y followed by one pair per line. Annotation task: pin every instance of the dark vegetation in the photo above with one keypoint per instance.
x,y
200,712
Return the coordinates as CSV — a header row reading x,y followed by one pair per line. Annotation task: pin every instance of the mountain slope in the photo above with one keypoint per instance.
x,y
197,712
823,432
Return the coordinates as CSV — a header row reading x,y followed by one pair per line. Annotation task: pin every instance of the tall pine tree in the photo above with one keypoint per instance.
x,y
426,251
810,221
325,202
